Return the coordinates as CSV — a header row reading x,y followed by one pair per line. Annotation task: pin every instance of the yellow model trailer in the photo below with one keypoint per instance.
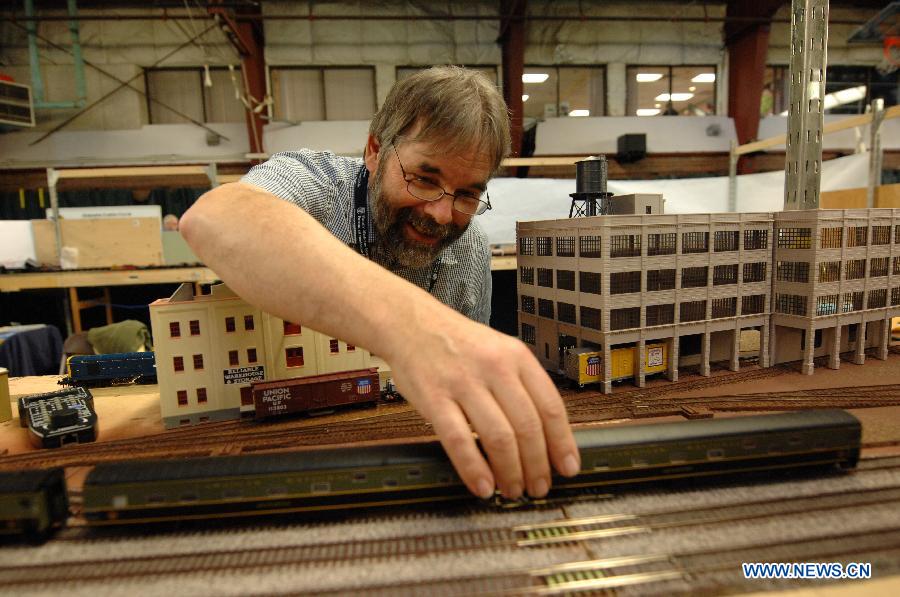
x,y
585,365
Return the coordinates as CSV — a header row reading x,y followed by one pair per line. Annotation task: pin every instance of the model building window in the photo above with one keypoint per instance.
x,y
830,271
251,355
661,244
527,304
526,275
565,246
792,271
178,363
794,238
545,277
753,304
725,274
660,314
174,329
695,242
248,323
589,246
198,362
229,324
724,307
526,245
589,282
831,238
897,234
292,329
790,304
756,239
351,348
625,282
881,235
545,308
294,356
544,246
333,346
565,279
590,318
896,269
528,333
566,312
660,279
194,326
623,319
878,267
895,296
233,358
827,305
857,236
853,301
694,277
201,395
877,299
726,240
855,269
693,311
182,398
755,272
625,245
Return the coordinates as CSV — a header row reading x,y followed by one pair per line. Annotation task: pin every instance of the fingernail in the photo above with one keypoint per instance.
x,y
485,488
540,488
570,466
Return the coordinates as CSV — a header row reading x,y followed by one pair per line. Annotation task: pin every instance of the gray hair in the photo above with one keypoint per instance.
x,y
458,109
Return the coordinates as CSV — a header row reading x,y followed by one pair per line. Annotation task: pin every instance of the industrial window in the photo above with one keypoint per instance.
x,y
895,296
661,244
625,245
544,246
333,346
660,279
756,239
560,91
528,333
855,269
660,314
527,304
198,361
589,282
182,398
201,396
693,311
831,238
489,70
827,304
545,308
565,279
188,98
897,234
694,277
178,363
724,307
794,238
623,319
590,318
248,323
194,326
303,94
565,312
233,359
790,304
294,356
725,274
695,242
229,324
251,355
526,275
526,245
725,240
877,299
174,329
896,269
670,90
792,271
625,282
857,236
878,266
545,277
292,329
589,246
351,348
753,304
755,272
853,301
565,246
830,271
881,235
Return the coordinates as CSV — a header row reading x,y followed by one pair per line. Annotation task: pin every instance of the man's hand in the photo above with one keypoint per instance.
x,y
457,372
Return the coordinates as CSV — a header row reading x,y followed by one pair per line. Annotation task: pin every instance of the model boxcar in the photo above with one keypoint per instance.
x,y
32,503
93,370
317,392
585,365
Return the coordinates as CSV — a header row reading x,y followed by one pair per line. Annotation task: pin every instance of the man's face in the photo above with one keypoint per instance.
x,y
412,232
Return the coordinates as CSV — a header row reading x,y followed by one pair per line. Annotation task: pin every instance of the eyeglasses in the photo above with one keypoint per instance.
x,y
426,190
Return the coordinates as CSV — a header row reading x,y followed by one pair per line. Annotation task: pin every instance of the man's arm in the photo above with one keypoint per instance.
x,y
453,370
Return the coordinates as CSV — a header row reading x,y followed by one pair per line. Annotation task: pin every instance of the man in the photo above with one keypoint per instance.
x,y
407,211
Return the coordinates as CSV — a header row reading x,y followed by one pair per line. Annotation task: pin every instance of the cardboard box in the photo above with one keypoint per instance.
x,y
100,243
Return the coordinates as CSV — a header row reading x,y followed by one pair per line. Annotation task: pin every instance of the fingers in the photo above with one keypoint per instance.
x,y
452,429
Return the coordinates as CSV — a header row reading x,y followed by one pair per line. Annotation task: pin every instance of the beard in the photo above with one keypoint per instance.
x,y
393,247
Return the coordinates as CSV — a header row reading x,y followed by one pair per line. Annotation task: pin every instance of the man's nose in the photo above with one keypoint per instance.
x,y
441,211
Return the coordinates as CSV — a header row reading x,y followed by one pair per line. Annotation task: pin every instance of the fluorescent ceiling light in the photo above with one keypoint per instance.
x,y
535,77
580,113
525,97
838,98
704,78
648,77
647,111
676,97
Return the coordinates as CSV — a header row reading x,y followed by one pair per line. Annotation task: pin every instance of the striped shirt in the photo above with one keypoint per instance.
x,y
322,184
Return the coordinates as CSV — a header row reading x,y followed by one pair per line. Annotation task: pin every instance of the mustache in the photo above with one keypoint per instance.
x,y
425,224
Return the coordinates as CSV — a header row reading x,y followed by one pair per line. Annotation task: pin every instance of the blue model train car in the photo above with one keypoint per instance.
x,y
110,369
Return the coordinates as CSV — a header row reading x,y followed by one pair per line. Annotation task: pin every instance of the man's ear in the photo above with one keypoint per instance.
x,y
373,147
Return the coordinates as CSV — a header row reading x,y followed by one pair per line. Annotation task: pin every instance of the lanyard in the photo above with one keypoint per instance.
x,y
361,217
